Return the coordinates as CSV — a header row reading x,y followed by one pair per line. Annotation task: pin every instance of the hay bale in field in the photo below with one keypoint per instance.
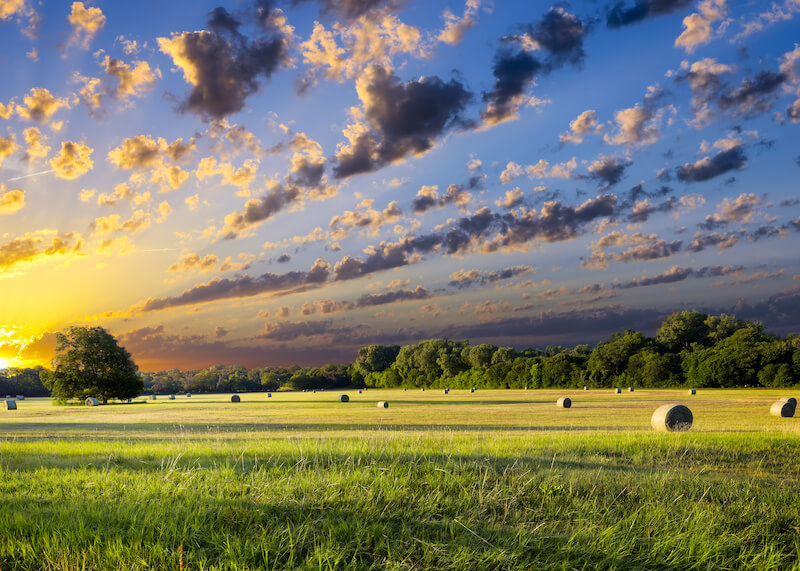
x,y
171,397
404,390
692,392
91,401
790,400
235,398
359,392
11,404
782,408
618,390
564,402
188,395
423,389
269,395
472,390
20,397
383,404
585,388
153,397
344,398
672,418
630,389
130,400
446,391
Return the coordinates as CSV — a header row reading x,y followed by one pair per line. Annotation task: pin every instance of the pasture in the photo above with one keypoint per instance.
x,y
487,480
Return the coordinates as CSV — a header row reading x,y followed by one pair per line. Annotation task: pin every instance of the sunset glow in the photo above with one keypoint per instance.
x,y
274,183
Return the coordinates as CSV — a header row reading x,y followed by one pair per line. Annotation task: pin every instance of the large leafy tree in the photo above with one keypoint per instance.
x,y
90,363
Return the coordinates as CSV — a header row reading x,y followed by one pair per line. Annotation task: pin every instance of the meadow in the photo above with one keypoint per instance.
x,y
496,479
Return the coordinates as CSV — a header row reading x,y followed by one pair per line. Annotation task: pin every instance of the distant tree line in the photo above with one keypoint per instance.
x,y
690,348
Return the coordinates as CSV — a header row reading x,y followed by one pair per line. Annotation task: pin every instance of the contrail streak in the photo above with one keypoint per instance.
x,y
30,175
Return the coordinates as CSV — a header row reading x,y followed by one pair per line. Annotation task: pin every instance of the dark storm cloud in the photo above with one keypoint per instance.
x,y
710,167
561,35
372,299
609,170
513,73
244,286
622,14
555,222
226,66
259,209
405,118
753,96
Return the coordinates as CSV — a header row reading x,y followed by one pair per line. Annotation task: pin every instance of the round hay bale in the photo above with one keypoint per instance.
x,y
171,397
404,390
791,400
630,389
423,389
672,418
344,398
585,388
269,395
782,408
11,404
618,390
692,392
153,397
564,402
91,401
188,395
383,404
472,390
235,398
130,400
446,391
359,392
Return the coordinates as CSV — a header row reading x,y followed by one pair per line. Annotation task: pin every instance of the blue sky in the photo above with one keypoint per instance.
x,y
283,182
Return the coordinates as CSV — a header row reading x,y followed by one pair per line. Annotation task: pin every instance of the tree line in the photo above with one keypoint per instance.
x,y
690,348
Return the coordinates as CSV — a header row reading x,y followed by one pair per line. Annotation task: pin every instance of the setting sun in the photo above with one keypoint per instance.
x,y
4,363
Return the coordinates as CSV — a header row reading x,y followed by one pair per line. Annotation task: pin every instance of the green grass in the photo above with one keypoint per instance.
x,y
490,480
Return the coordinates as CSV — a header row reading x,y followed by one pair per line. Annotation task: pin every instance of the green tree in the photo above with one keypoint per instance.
x,y
681,329
90,363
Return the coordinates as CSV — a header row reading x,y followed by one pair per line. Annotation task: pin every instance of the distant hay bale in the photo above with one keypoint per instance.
x,y
171,397
782,408
153,397
188,395
672,418
235,398
11,404
618,390
344,398
564,402
585,388
446,391
91,401
472,390
383,404
692,392
359,392
130,400
423,389
630,389
269,395
20,397
404,390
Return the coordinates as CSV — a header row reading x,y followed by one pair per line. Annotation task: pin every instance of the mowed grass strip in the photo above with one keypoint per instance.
x,y
131,486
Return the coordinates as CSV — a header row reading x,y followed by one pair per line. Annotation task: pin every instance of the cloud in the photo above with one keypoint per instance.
x,y
621,15
513,73
353,9
19,10
256,210
197,262
456,27
741,210
86,24
609,170
428,197
721,241
153,160
640,247
542,169
582,125
39,245
35,142
399,119
72,161
636,126
776,13
243,286
753,96
710,167
677,274
400,295
125,81
223,66
7,148
365,218
697,26
11,201
512,199
705,79
464,279
40,105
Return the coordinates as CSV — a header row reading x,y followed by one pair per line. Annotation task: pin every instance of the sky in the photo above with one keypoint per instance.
x,y
280,182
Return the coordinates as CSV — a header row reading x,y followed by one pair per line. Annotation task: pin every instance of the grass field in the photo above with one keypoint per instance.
x,y
490,480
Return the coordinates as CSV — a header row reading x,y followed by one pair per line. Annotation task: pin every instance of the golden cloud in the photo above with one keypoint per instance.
x,y
86,23
7,148
40,105
11,200
35,246
74,160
